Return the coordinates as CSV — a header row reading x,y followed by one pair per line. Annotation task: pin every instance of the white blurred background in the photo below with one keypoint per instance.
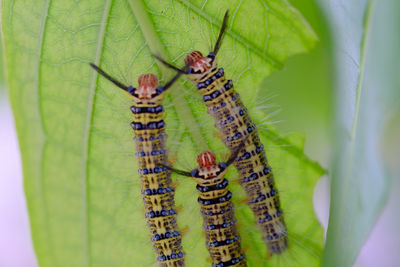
x,y
15,241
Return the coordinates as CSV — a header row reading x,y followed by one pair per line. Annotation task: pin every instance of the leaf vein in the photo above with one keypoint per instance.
x,y
86,142
43,24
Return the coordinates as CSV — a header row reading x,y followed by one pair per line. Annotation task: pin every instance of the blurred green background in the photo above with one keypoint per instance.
x,y
306,84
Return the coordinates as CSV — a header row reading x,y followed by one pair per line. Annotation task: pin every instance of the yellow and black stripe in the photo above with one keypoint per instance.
x,y
256,176
156,184
222,237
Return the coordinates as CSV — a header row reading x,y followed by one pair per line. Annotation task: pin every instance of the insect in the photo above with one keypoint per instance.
x,y
156,185
234,123
222,238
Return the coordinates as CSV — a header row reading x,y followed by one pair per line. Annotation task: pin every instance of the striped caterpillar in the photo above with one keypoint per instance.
x,y
156,184
235,125
222,238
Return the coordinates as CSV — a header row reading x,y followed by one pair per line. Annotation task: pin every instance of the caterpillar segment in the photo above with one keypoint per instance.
x,y
232,119
234,123
222,237
156,184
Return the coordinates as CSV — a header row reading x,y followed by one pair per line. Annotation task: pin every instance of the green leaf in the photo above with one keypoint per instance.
x,y
81,179
367,70
303,89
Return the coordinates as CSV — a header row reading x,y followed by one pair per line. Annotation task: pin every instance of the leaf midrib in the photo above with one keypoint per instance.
x,y
86,141
349,168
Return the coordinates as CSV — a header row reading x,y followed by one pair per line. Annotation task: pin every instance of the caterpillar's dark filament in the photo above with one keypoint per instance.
x,y
232,119
156,184
222,237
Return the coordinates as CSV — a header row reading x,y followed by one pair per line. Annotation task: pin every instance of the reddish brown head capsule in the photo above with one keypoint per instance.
x,y
193,57
206,159
147,86
198,62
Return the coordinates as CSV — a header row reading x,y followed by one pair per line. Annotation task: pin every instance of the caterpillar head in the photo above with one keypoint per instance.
x,y
147,88
206,159
148,92
199,65
209,169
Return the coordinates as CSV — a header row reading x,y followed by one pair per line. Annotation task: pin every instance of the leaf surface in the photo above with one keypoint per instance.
x,y
367,92
80,169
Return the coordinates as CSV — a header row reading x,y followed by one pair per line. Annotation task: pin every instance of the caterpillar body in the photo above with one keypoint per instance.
x,y
215,199
235,125
156,184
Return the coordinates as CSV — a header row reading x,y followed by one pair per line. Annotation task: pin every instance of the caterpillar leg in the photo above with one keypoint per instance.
x,y
172,160
245,200
179,208
184,230
175,184
217,134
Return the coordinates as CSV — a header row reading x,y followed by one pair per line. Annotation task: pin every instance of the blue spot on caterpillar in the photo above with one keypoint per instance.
x,y
156,181
222,238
